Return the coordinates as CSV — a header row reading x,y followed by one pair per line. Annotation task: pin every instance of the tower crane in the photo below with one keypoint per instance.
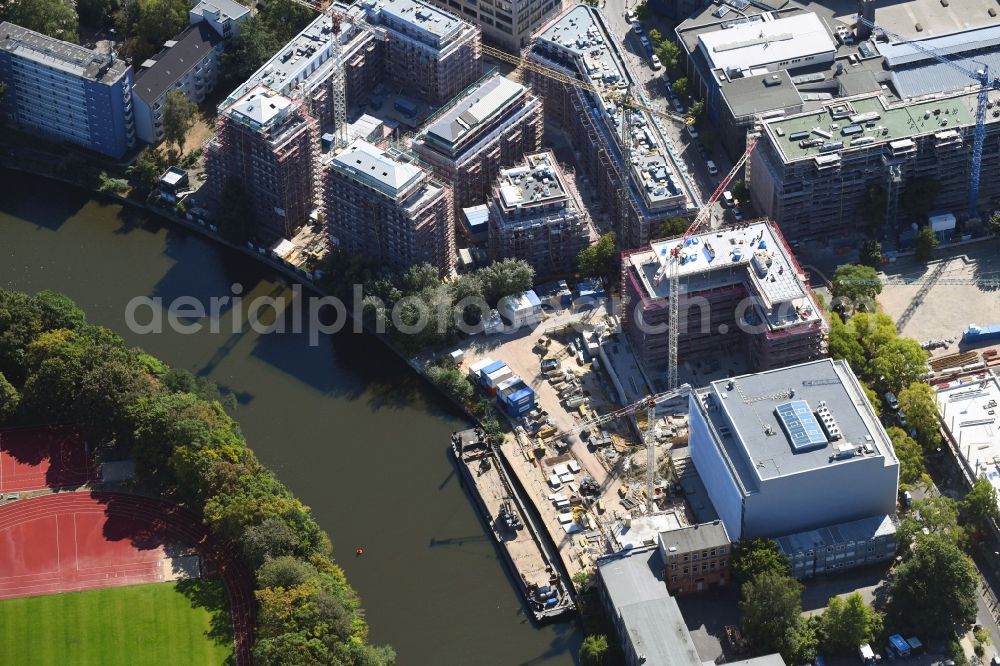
x,y
986,81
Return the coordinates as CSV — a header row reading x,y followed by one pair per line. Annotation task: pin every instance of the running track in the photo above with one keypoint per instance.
x,y
68,541
38,458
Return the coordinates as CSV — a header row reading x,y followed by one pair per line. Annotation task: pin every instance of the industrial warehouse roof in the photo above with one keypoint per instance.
x,y
653,623
744,413
916,73
479,104
363,160
878,123
172,63
761,43
66,57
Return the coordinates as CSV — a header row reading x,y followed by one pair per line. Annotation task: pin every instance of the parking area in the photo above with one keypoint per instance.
x,y
937,301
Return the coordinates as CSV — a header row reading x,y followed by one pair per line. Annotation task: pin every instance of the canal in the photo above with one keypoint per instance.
x,y
345,424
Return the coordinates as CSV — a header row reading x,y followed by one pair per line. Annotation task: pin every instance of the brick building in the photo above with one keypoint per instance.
x,y
696,557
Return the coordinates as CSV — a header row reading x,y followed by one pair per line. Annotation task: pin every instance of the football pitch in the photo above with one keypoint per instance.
x,y
174,623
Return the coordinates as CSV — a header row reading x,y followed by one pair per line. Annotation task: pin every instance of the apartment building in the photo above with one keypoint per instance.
x,y
696,557
537,216
493,125
625,154
189,63
269,144
794,450
306,67
811,171
65,92
223,16
742,292
383,205
507,23
430,53
827,550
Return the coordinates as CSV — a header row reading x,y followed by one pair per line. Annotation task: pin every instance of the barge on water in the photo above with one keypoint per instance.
x,y
547,594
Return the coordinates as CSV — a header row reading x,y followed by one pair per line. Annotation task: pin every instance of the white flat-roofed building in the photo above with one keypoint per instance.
x,y
769,45
792,450
381,204
224,17
969,406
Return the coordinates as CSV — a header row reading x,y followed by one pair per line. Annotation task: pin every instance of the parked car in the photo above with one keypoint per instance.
x,y
712,169
655,62
907,499
890,400
692,132
738,215
637,27
678,107
629,17
727,198
646,44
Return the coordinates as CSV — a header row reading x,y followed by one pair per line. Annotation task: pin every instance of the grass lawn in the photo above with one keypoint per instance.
x,y
163,623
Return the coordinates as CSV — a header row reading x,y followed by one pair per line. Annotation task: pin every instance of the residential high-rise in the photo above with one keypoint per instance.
x,y
431,53
536,216
270,145
506,23
493,125
626,156
381,204
742,290
66,92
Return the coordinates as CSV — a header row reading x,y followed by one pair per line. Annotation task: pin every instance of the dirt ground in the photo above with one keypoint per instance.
x,y
940,299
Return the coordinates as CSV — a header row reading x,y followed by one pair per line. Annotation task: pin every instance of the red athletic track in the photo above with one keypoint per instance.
x,y
68,541
39,458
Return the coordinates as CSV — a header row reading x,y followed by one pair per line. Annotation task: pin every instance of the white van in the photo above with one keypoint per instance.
x,y
727,198
712,169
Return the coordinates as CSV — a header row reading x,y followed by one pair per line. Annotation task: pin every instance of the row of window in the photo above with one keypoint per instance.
x,y
710,566
705,554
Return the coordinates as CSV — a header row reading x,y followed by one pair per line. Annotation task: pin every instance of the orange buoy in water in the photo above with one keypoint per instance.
x,y
359,552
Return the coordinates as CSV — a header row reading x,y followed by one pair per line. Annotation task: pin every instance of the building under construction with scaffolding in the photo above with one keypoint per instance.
x,y
537,216
624,152
491,125
267,145
812,172
382,204
742,288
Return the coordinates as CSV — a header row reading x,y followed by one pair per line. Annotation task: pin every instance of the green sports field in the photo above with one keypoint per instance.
x,y
162,623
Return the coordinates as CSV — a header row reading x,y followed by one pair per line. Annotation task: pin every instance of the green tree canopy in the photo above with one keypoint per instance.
x,y
505,278
995,224
918,402
980,505
899,363
741,191
98,13
770,604
753,557
802,642
681,86
911,459
856,284
938,515
55,18
934,589
871,253
655,37
925,243
147,24
600,259
594,650
9,400
179,114
675,226
669,54
849,622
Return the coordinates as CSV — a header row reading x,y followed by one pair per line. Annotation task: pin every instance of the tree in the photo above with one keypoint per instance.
x,y
145,172
858,285
9,400
681,86
285,571
911,458
919,194
740,190
994,219
770,604
847,623
669,54
600,259
873,206
918,402
655,38
980,505
755,557
452,382
696,109
235,217
643,12
925,243
845,346
98,13
871,253
675,226
271,538
934,589
899,363
59,311
505,278
55,18
802,643
594,650
178,117
873,399
938,516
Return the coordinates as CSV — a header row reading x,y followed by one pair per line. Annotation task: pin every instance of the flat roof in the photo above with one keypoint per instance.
x,y
965,408
651,618
363,161
421,16
537,182
916,74
64,56
765,42
861,530
694,537
228,8
932,16
760,447
173,62
886,124
747,96
582,35
478,105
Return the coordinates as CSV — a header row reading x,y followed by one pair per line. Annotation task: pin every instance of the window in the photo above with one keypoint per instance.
x,y
712,552
685,558
673,567
704,554
722,550
722,563
673,579
685,572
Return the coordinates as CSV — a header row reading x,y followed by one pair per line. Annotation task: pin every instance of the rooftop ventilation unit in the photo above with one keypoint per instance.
x,y
826,420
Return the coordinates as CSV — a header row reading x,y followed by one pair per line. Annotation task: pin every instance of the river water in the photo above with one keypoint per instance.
x,y
349,427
